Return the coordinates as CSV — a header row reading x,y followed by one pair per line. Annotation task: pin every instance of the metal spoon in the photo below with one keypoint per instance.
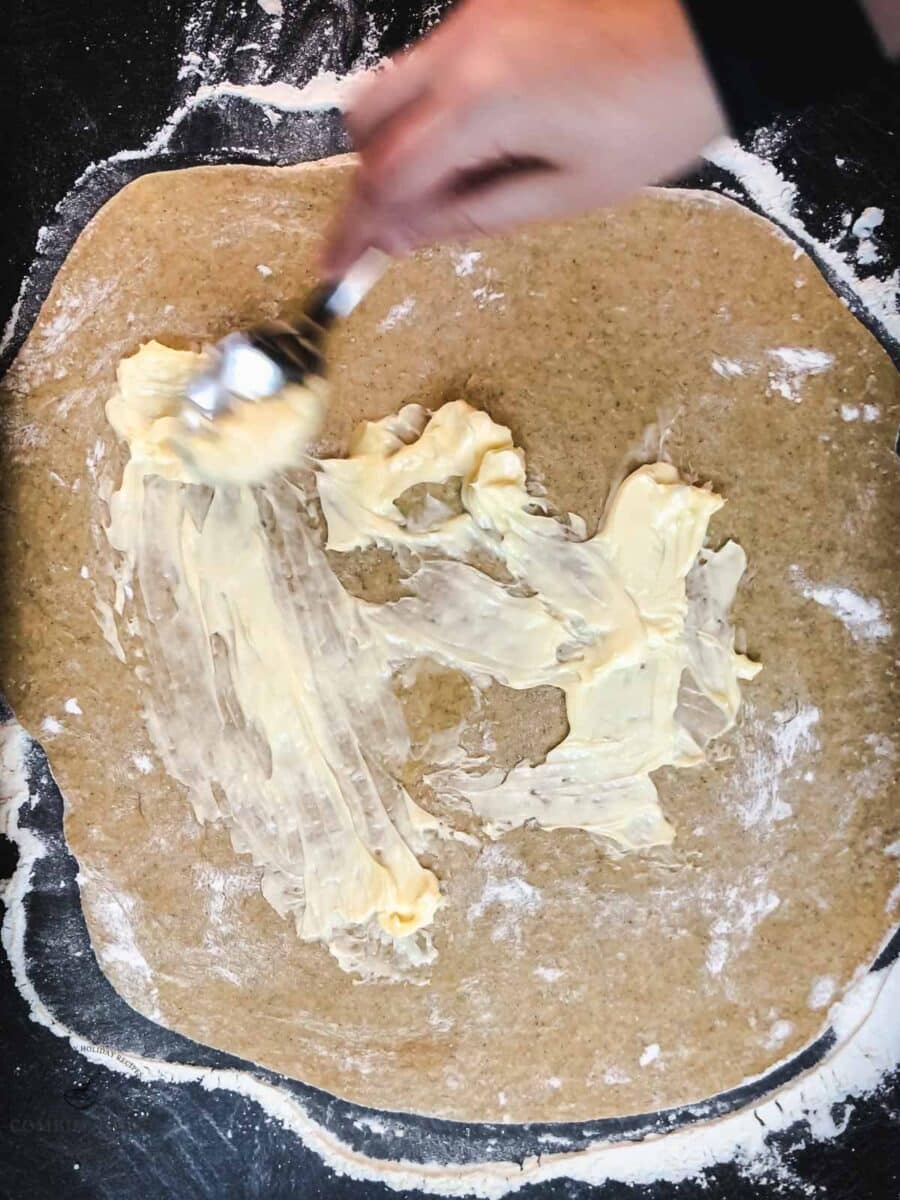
x,y
256,363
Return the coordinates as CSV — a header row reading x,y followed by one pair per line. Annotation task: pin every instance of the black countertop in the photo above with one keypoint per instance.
x,y
79,86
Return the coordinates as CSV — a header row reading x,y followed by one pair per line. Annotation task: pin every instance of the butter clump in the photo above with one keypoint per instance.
x,y
609,619
246,445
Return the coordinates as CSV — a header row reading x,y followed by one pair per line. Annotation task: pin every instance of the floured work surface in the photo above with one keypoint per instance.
x,y
579,984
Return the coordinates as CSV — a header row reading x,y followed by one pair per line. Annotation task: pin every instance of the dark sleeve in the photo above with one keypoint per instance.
x,y
769,57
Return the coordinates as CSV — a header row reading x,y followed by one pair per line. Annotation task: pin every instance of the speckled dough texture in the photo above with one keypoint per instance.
x,y
569,984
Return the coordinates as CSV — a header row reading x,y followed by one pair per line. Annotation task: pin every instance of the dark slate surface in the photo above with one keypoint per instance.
x,y
79,86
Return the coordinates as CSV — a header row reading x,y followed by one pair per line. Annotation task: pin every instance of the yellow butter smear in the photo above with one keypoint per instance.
x,y
270,687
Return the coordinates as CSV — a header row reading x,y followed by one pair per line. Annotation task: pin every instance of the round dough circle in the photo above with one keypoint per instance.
x,y
560,968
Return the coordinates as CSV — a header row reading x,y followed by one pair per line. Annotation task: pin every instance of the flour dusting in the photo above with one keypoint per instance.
x,y
118,949
788,368
878,295
548,974
741,908
484,296
506,897
793,365
649,1055
779,1032
862,616
863,228
326,90
729,368
767,755
398,314
464,263
821,991
853,412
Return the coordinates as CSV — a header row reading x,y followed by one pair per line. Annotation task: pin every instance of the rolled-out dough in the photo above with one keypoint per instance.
x,y
558,964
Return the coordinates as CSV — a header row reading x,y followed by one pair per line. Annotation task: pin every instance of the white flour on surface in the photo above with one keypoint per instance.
x,y
484,296
787,368
777,197
779,1031
398,314
115,913
729,368
506,896
863,616
649,1055
465,261
549,974
821,991
741,909
863,228
853,412
864,1022
328,90
792,366
767,753
219,891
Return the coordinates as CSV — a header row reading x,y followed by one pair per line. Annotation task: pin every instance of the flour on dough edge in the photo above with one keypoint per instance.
x,y
867,1046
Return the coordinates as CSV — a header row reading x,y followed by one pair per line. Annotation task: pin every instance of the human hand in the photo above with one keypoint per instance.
x,y
516,110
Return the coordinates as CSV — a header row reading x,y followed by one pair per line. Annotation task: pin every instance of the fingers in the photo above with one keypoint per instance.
x,y
514,199
355,229
391,112
387,93
409,77
414,131
415,163
498,207
425,151
417,160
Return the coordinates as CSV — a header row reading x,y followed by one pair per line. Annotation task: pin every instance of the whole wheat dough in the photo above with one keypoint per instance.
x,y
558,962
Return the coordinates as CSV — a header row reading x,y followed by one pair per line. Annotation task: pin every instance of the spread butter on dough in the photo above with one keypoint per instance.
x,y
271,695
